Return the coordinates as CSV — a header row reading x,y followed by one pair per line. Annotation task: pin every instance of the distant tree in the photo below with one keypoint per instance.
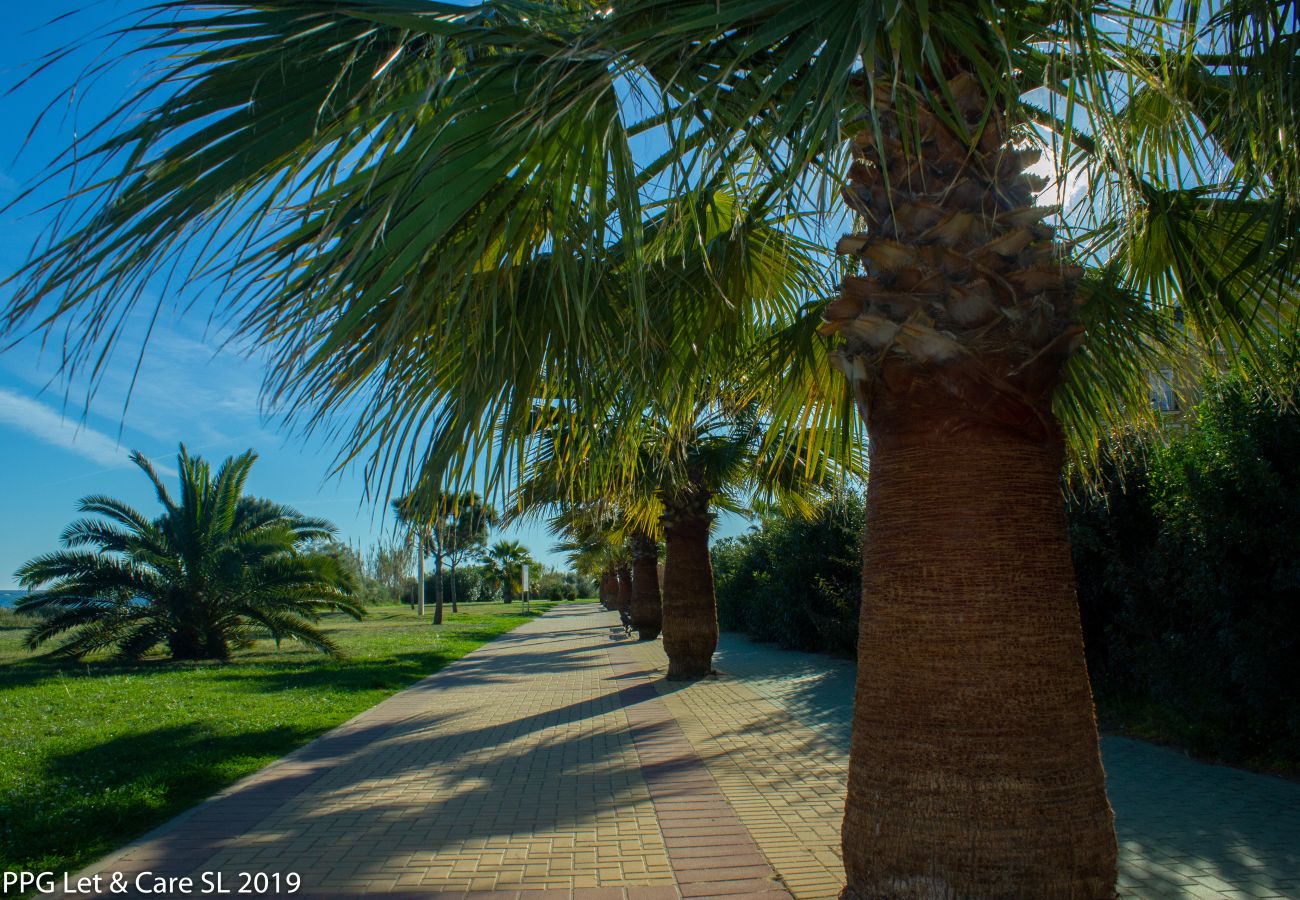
x,y
416,515
389,564
199,578
464,533
555,584
366,587
451,527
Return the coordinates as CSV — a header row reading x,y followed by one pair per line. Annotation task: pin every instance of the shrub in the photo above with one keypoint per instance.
x,y
472,586
794,581
1188,560
552,584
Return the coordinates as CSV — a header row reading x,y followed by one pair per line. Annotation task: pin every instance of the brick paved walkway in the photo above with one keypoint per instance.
x,y
1186,829
543,764
554,762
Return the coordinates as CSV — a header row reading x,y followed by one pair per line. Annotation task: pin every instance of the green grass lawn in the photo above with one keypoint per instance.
x,y
93,754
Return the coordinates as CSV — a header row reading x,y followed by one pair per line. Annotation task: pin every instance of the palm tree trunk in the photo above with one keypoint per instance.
x,y
624,576
437,588
419,578
185,643
647,608
690,609
974,769
452,566
607,591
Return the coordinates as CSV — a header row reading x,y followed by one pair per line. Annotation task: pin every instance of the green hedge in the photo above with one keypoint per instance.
x,y
1188,558
796,582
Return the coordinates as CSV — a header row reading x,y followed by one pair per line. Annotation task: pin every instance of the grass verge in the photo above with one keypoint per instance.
x,y
94,754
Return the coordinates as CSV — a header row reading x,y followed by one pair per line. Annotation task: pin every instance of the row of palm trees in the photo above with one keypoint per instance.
x,y
508,233
668,489
453,528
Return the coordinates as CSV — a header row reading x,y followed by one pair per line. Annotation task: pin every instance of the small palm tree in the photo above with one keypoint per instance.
x,y
199,578
505,561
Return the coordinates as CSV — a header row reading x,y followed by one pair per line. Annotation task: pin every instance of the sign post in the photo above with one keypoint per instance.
x,y
525,586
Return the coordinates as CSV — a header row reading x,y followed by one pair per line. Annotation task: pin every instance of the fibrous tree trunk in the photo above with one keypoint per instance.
x,y
609,589
624,576
647,608
974,769
690,609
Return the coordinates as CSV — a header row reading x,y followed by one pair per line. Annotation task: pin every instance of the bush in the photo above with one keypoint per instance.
x,y
1188,559
796,582
471,587
561,591
555,585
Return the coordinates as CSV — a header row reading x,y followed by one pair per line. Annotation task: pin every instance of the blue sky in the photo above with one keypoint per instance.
x,y
56,447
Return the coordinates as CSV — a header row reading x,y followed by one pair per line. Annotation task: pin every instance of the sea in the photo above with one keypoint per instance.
x,y
9,598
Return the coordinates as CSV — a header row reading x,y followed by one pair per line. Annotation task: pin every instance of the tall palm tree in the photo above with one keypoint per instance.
x,y
200,578
429,153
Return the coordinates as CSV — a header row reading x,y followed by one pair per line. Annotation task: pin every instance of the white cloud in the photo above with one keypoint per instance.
x,y
202,392
45,424
1067,192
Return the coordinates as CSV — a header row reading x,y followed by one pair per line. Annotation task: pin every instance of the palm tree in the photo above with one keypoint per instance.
x,y
629,473
646,604
601,540
608,589
200,578
505,561
596,548
428,152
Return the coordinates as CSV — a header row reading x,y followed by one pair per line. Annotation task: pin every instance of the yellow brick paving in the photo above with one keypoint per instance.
x,y
515,771
1187,830
784,780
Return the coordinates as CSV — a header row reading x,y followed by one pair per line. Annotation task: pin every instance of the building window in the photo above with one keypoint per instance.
x,y
1163,397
